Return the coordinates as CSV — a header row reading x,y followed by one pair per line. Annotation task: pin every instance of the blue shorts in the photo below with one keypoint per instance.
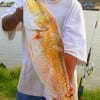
x,y
21,96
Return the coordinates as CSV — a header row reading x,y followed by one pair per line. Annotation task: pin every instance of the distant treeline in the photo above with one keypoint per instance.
x,y
6,3
95,1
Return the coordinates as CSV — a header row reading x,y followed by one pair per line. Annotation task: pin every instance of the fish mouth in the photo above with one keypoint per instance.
x,y
42,28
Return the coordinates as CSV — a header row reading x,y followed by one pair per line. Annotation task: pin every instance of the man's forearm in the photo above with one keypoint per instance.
x,y
70,62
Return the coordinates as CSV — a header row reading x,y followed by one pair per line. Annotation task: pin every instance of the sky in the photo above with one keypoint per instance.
x,y
6,0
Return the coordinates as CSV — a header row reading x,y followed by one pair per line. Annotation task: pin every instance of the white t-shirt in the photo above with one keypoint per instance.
x,y
69,15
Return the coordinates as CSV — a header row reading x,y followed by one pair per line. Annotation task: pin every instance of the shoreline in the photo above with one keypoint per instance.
x,y
93,9
5,6
96,8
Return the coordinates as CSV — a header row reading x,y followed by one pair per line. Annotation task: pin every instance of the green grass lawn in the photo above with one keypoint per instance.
x,y
8,83
9,80
91,94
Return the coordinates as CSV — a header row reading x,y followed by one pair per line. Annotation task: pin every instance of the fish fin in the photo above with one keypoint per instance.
x,y
36,36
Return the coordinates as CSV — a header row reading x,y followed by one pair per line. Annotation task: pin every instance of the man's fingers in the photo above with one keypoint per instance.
x,y
71,92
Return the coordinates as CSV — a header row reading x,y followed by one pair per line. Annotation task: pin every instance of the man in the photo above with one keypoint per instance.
x,y
69,15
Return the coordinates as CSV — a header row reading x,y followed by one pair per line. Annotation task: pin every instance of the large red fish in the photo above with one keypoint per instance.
x,y
46,50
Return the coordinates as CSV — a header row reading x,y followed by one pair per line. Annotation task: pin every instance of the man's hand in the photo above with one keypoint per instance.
x,y
71,92
10,22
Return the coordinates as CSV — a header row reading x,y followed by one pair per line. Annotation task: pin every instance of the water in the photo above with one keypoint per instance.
x,y
90,20
10,51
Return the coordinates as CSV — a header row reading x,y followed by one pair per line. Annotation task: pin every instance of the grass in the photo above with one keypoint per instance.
x,y
91,94
9,80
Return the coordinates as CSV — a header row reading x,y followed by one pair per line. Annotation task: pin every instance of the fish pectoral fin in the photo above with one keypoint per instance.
x,y
37,35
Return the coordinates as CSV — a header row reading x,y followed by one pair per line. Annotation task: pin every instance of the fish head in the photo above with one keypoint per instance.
x,y
39,17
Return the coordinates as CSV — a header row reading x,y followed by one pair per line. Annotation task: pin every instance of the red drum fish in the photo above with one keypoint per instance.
x,y
46,50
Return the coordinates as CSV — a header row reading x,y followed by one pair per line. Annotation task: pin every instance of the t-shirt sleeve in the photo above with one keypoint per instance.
x,y
9,11
74,35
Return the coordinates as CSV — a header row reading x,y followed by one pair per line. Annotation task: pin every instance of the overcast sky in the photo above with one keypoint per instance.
x,y
7,0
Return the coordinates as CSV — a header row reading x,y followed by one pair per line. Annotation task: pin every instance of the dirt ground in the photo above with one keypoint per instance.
x,y
2,97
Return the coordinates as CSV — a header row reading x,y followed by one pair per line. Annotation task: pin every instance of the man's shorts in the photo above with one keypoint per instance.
x,y
21,96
